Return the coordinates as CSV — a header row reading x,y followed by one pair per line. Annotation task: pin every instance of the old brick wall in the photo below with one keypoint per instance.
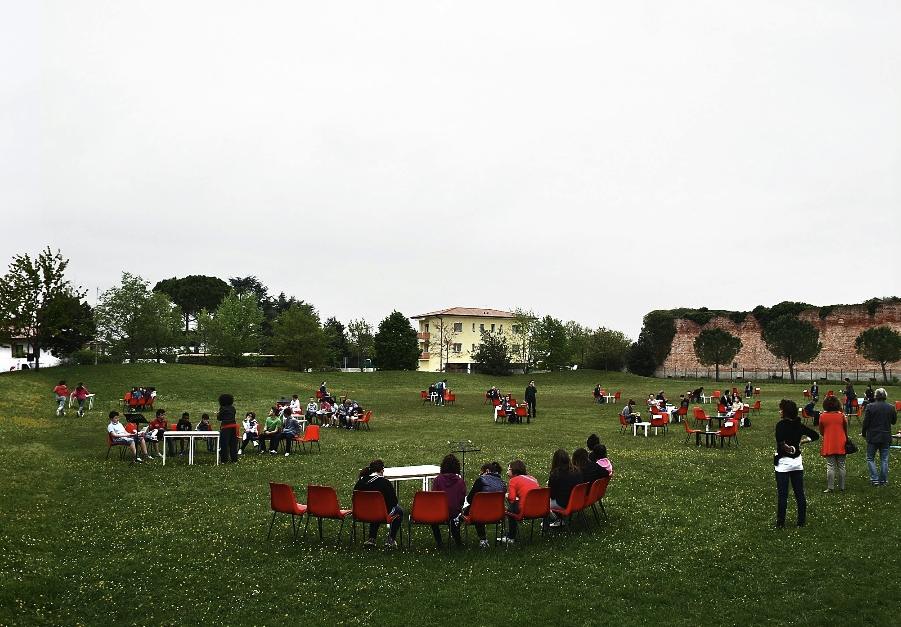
x,y
838,331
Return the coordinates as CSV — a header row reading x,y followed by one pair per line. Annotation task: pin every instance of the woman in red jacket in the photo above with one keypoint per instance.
x,y
834,428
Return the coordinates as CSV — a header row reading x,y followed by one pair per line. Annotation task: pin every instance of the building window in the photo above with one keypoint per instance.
x,y
426,330
500,328
473,327
515,349
482,328
515,328
458,327
457,348
18,351
492,328
473,349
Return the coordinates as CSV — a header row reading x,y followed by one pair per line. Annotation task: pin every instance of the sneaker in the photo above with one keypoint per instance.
x,y
483,544
149,456
370,542
827,491
273,451
556,523
505,540
390,543
240,452
139,460
287,454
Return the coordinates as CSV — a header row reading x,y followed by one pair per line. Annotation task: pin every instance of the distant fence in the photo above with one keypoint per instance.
x,y
759,374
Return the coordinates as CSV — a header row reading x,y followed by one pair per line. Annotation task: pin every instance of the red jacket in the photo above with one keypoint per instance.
x,y
832,426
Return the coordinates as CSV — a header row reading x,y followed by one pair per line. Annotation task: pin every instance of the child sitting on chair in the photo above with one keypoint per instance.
x,y
204,425
183,424
251,431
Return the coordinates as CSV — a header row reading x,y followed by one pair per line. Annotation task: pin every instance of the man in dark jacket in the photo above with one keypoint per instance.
x,y
877,422
228,430
530,395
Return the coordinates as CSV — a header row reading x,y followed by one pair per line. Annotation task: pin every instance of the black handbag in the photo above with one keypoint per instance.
x,y
850,447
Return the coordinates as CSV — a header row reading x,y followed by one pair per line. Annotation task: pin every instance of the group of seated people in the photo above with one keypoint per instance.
x,y
600,393
508,405
584,466
135,437
140,397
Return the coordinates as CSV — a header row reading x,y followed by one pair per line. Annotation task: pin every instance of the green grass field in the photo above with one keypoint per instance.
x,y
689,540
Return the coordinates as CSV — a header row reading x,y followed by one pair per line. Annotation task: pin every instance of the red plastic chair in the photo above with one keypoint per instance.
x,y
806,393
449,397
682,412
487,509
717,393
311,435
756,406
576,504
495,402
429,508
369,507
364,419
897,405
701,416
522,412
535,505
322,502
283,501
659,421
318,395
623,424
729,432
111,443
756,391
596,497
424,396
501,416
690,432
617,396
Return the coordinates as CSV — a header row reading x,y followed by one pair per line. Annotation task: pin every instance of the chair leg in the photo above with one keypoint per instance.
x,y
294,526
594,510
270,526
306,529
340,531
320,528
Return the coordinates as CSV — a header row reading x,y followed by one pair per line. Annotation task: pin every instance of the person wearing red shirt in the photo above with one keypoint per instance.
x,y
158,426
62,394
520,483
834,428
81,395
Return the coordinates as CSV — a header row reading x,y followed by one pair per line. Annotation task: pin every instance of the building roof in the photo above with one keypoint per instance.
x,y
475,312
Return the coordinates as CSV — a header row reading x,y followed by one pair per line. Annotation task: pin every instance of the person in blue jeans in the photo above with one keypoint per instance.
x,y
876,430
789,467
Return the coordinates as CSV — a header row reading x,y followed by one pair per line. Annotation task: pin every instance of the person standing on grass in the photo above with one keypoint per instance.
x,y
372,480
62,394
790,432
876,429
228,429
849,395
815,391
531,396
834,428
451,483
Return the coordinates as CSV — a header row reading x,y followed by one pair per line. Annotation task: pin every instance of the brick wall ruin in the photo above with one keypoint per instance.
x,y
838,358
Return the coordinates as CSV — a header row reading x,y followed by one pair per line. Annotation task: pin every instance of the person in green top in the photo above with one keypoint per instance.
x,y
271,429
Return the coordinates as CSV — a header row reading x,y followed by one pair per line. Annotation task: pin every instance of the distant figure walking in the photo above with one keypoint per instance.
x,y
531,393
877,421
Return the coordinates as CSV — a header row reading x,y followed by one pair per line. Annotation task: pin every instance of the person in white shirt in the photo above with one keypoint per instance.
x,y
120,435
312,410
294,404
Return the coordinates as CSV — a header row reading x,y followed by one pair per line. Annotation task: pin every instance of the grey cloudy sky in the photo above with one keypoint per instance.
x,y
591,160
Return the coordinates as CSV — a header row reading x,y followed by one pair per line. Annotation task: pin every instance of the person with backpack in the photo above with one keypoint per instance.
x,y
371,479
489,480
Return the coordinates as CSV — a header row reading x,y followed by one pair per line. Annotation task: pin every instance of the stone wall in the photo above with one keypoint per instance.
x,y
838,331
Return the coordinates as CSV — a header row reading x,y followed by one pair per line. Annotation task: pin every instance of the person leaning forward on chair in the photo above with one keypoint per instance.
x,y
372,480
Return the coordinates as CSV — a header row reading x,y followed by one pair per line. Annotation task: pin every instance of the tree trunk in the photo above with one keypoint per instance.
x,y
717,372
36,347
884,374
791,370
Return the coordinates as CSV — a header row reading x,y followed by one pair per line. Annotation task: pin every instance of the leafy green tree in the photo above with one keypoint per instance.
x,y
235,327
795,341
67,324
879,344
298,337
131,319
336,343
659,329
359,333
26,290
550,349
577,338
493,354
716,346
194,293
395,343
607,349
523,324
640,359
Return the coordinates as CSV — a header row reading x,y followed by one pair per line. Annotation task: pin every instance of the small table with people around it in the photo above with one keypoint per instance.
x,y
422,473
509,411
190,436
139,398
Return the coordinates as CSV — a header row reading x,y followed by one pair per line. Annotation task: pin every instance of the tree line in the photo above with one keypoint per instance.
x,y
786,336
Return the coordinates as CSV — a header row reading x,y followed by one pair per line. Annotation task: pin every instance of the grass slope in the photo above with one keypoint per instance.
x,y
689,539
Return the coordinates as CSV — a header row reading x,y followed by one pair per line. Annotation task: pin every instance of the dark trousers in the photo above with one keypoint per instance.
x,y
531,405
512,523
393,529
248,438
455,532
228,445
278,437
796,477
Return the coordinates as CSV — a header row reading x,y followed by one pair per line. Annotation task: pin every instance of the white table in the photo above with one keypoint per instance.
x,y
191,435
706,398
635,426
397,474
609,398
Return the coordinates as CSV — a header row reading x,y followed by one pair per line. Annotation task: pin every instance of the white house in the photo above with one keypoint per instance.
x,y
20,356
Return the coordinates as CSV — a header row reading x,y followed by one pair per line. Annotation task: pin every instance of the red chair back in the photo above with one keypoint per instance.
x,y
806,393
854,403
623,421
757,405
521,412
430,508
311,434
897,405
487,508
730,430
369,507
423,394
683,411
322,501
536,503
687,428
717,393
597,491
830,393
495,402
658,420
318,395
282,499
501,414
577,499
617,395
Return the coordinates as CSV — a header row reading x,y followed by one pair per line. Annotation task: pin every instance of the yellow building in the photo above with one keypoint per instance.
x,y
448,338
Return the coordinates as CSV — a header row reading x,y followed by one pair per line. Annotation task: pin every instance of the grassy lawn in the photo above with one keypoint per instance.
x,y
689,538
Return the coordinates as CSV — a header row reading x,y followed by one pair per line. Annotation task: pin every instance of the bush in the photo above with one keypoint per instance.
x,y
85,357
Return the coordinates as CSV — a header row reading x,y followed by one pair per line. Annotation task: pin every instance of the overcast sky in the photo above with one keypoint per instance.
x,y
590,160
